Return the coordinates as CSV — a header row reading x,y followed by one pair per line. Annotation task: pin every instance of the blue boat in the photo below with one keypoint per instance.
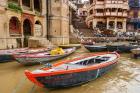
x,y
95,48
121,48
73,72
7,55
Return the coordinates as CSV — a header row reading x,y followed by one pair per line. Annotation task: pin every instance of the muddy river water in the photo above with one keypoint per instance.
x,y
124,78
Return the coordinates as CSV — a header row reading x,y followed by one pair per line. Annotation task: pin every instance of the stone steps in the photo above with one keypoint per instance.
x,y
35,42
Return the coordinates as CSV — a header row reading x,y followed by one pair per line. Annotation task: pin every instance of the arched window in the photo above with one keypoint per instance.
x,y
27,27
27,31
38,28
14,26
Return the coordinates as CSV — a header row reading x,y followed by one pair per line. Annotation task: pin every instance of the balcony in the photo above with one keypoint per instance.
x,y
111,6
116,14
120,14
120,1
99,6
108,1
107,13
122,6
124,14
99,14
100,2
113,13
125,6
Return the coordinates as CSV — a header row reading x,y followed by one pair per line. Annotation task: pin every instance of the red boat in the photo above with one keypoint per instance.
x,y
73,72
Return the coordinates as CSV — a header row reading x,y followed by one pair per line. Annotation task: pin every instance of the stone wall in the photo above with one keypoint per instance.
x,y
15,41
59,22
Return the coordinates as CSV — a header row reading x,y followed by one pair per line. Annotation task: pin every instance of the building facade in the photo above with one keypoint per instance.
x,y
133,21
82,9
21,20
108,14
58,20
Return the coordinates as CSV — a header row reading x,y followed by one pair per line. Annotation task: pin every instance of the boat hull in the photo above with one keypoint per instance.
x,y
136,56
95,48
73,79
121,48
6,58
41,60
136,53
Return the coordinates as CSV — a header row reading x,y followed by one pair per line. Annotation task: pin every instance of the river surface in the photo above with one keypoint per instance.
x,y
124,78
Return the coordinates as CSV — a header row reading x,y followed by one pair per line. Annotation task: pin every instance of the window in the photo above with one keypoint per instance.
x,y
14,26
119,25
100,10
113,9
37,5
26,3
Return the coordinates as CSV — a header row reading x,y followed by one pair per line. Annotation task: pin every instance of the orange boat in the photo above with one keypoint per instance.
x,y
73,72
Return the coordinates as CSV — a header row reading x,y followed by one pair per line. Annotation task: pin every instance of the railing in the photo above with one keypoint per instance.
x,y
99,14
100,2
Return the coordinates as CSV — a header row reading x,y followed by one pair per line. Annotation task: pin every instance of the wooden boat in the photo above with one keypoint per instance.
x,y
73,72
37,58
95,48
7,55
121,48
136,53
77,46
87,43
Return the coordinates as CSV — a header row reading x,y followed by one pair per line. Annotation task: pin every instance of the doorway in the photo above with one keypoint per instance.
x,y
27,31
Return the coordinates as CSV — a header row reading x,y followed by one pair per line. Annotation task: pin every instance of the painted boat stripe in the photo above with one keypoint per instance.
x,y
98,71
